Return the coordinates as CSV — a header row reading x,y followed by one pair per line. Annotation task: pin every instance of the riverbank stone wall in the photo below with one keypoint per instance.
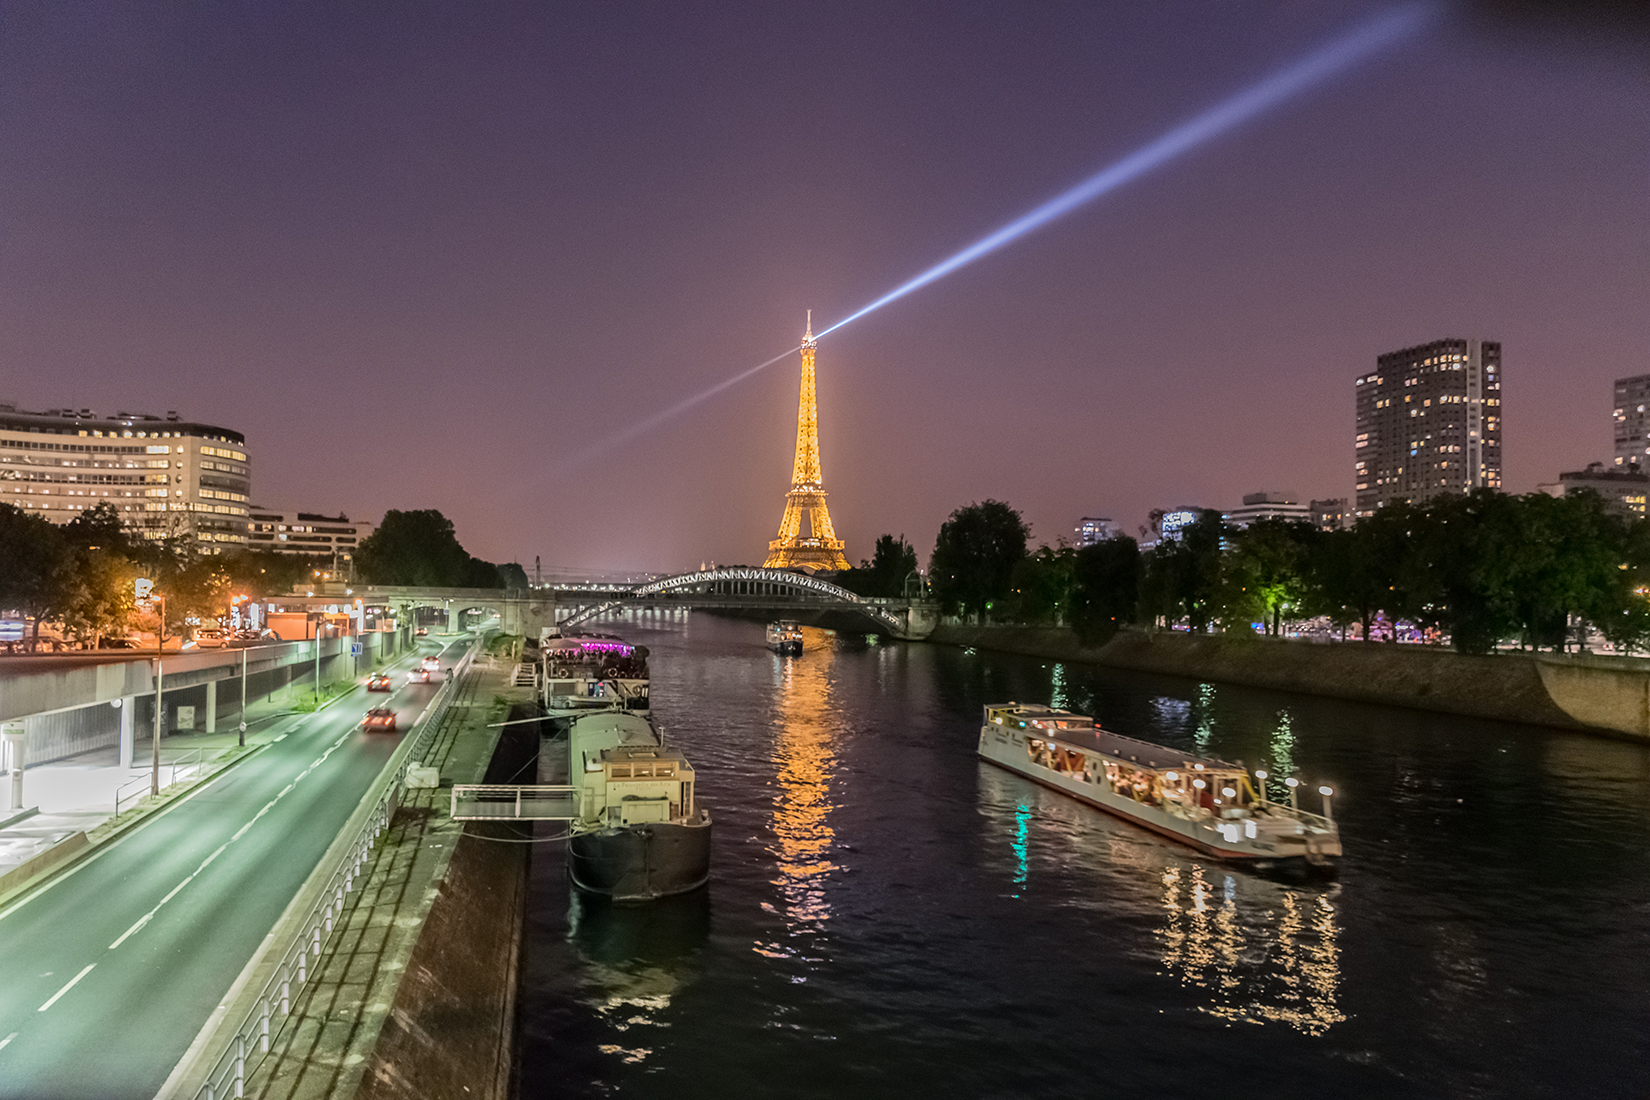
x,y
1608,695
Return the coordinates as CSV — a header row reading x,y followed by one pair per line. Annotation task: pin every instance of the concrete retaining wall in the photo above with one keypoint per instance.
x,y
451,1031
1602,694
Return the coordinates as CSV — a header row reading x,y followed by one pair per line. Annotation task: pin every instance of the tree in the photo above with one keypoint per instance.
x,y
892,561
420,548
1041,584
1105,590
100,528
1262,575
975,554
101,600
33,579
512,575
1182,574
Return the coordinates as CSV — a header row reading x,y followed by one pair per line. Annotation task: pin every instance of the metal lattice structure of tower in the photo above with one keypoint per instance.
x,y
820,548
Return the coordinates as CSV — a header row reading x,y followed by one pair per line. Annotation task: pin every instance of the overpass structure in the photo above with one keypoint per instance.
x,y
520,611
765,589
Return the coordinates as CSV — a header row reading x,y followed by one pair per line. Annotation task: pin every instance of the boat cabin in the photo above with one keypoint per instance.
x,y
1182,784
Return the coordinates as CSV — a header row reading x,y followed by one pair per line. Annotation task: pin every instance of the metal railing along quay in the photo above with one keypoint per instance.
x,y
514,802
147,780
251,1040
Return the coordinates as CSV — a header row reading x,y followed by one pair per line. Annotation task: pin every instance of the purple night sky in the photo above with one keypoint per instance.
x,y
423,255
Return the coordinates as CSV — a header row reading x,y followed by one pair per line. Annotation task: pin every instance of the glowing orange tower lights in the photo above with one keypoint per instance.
x,y
819,548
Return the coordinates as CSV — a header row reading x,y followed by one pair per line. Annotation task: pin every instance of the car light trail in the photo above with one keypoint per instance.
x,y
1378,34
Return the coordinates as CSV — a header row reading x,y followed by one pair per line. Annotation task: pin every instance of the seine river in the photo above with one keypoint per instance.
x,y
889,917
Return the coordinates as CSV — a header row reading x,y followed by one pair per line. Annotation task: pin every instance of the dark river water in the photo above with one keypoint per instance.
x,y
889,917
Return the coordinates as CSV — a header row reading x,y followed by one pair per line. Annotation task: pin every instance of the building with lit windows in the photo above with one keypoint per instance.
x,y
1625,489
1272,505
1330,515
313,534
1429,423
169,478
1632,422
1093,529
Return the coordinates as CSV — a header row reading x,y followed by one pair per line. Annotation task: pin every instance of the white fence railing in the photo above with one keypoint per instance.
x,y
251,1041
193,762
514,802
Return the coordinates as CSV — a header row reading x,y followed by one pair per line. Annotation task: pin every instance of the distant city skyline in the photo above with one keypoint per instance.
x,y
421,264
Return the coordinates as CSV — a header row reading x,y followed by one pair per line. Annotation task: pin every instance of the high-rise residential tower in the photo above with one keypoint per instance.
x,y
1429,423
1632,422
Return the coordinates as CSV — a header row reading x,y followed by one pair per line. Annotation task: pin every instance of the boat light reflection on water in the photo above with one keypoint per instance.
x,y
1264,953
1257,951
805,757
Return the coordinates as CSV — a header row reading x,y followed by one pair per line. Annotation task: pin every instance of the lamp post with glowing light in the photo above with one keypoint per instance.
x,y
1328,793
1294,786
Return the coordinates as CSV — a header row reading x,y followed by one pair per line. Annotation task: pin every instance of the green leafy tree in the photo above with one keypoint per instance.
x,y
1263,575
421,548
1041,584
1182,578
892,561
101,600
975,554
1106,589
35,562
512,575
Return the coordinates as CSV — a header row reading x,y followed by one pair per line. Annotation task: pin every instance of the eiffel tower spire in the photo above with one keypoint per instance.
x,y
819,548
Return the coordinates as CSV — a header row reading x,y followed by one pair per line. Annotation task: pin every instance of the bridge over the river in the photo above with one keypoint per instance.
x,y
757,589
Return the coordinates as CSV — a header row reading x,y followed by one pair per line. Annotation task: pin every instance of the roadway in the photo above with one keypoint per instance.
x,y
112,969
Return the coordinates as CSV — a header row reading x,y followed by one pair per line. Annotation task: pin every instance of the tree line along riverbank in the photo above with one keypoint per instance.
x,y
1605,695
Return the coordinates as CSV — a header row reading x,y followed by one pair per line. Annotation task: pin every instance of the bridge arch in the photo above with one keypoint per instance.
x,y
772,582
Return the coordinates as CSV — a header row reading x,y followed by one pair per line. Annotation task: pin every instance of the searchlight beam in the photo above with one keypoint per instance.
x,y
1381,33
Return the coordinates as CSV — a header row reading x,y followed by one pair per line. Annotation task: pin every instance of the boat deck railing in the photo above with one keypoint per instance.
x,y
514,802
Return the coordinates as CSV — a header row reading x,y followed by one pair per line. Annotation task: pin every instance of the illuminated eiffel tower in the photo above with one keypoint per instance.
x,y
819,548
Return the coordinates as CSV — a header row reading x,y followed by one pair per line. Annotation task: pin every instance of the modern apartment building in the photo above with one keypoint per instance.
x,y
1632,422
314,534
1429,423
169,478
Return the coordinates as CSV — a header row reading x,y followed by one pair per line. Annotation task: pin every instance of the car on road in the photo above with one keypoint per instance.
x,y
422,632
418,676
379,719
211,637
430,664
116,643
380,682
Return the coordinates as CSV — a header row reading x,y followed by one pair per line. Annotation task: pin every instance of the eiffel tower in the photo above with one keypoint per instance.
x,y
819,549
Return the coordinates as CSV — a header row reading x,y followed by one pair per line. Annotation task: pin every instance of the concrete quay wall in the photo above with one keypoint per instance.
x,y
1609,695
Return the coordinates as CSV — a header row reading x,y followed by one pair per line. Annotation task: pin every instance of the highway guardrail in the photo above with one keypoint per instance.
x,y
250,1042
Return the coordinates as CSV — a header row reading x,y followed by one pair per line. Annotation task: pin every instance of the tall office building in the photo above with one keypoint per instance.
x,y
1632,422
168,478
1429,423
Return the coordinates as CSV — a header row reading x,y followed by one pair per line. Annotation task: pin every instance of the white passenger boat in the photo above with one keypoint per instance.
x,y
640,832
785,638
593,672
1209,804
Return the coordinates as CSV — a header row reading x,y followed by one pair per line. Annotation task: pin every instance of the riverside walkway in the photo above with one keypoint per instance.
x,y
117,963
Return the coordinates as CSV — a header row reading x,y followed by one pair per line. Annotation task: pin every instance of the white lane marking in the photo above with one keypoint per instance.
x,y
65,989
147,917
205,863
6,1042
276,740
